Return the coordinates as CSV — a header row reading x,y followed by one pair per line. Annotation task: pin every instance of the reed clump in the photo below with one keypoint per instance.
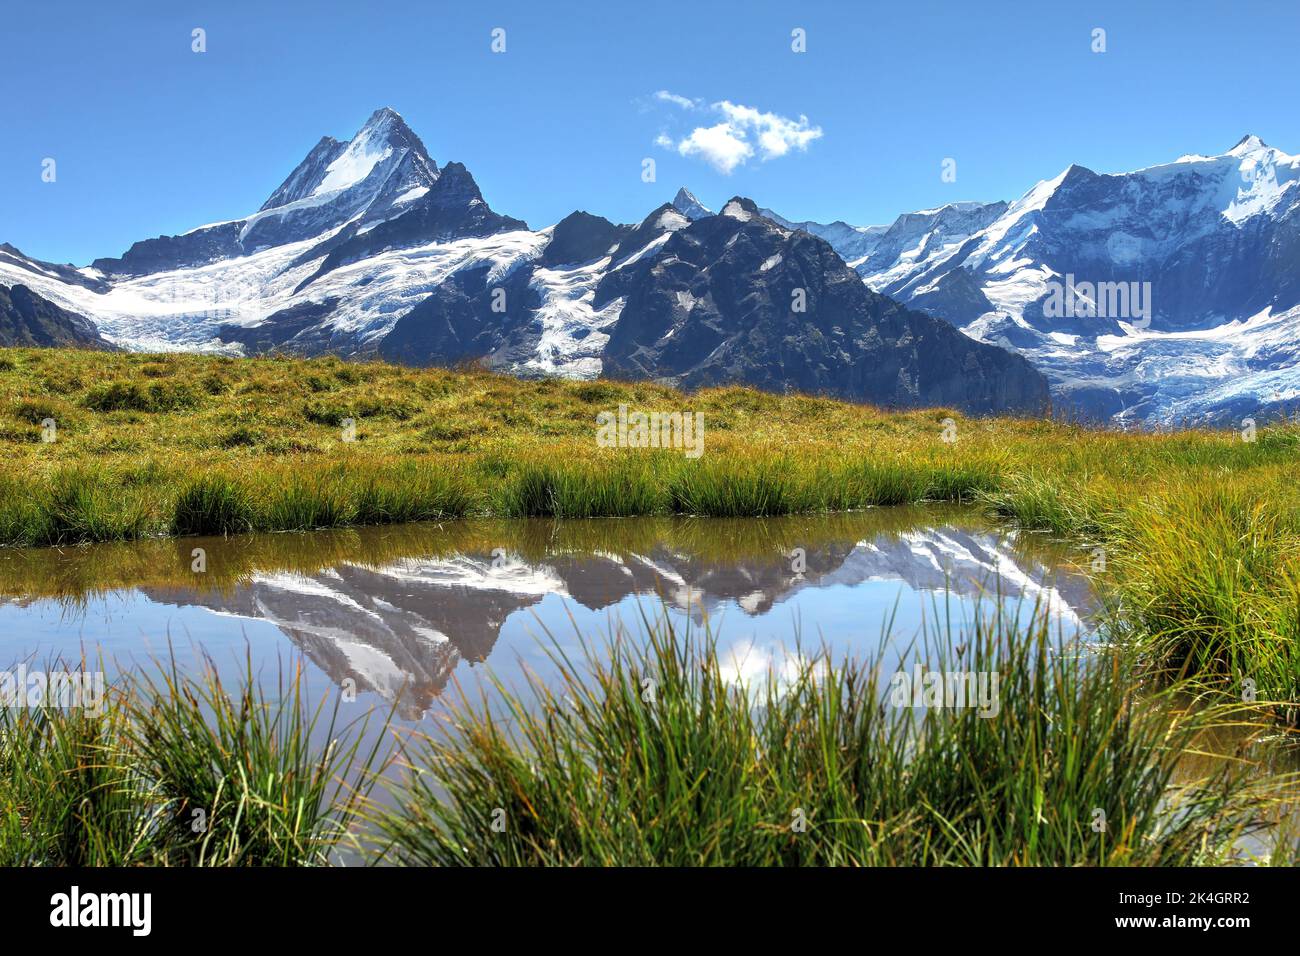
x,y
649,751
173,770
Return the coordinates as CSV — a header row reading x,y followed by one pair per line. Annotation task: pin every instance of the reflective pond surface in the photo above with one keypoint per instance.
x,y
410,612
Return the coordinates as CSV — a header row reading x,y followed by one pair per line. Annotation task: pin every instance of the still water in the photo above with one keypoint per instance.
x,y
411,615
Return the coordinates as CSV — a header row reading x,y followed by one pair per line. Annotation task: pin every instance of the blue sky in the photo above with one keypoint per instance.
x,y
152,138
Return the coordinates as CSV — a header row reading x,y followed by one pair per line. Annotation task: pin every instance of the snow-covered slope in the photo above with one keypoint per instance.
x,y
853,243
1206,249
239,285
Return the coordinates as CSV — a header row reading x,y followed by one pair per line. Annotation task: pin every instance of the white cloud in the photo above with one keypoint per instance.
x,y
722,146
776,134
684,102
743,133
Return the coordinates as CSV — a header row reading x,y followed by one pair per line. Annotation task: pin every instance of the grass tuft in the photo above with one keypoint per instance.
x,y
650,753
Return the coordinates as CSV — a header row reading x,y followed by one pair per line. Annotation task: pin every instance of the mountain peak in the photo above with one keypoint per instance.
x,y
738,207
690,207
385,114
385,129
382,143
386,124
457,182
1248,144
665,217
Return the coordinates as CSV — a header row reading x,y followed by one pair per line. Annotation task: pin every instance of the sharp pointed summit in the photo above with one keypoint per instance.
x,y
690,207
359,183
383,160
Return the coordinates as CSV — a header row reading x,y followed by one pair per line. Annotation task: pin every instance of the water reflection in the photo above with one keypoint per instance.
x,y
401,610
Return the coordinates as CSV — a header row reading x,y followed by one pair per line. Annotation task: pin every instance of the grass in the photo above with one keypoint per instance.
x,y
648,753
1197,529
179,771
186,444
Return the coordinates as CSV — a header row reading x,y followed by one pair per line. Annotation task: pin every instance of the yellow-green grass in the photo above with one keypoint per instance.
x,y
1198,529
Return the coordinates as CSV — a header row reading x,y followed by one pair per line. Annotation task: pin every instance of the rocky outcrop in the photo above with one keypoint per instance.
x,y
26,319
737,299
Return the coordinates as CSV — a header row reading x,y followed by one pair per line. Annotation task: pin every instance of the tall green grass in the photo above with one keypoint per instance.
x,y
69,795
649,753
242,776
1210,585
648,750
181,770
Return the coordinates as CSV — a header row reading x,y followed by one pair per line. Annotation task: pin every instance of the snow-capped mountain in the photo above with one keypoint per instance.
x,y
381,173
368,247
1061,275
708,302
1169,293
853,243
686,301
357,235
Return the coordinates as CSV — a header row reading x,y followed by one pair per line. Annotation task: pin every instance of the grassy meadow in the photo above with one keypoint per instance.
x,y
1191,536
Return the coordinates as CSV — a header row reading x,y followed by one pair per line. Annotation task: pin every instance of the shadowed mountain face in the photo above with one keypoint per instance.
x,y
26,319
400,616
738,298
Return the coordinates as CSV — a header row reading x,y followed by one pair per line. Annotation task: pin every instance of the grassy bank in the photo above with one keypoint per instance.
x,y
1198,532
182,444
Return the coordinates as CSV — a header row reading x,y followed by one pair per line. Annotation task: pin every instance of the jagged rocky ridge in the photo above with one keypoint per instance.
x,y
731,298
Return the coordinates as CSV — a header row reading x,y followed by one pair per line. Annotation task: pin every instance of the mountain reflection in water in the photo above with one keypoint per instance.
x,y
400,609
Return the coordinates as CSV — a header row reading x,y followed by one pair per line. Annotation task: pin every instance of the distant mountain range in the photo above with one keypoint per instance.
x,y
1217,238
370,248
